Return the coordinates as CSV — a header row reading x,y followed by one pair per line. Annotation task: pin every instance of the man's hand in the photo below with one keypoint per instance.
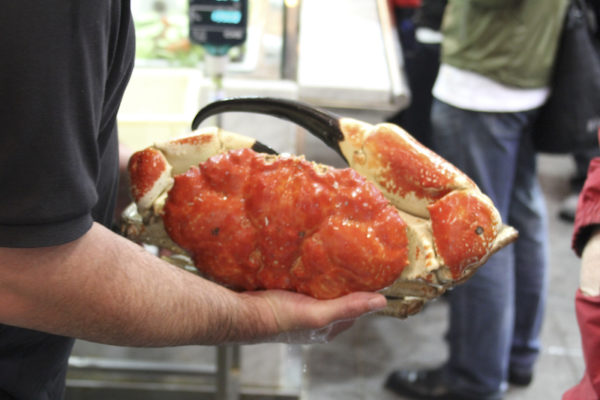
x,y
303,319
590,266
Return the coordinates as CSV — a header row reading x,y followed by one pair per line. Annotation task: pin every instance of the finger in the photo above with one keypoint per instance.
x,y
350,307
294,312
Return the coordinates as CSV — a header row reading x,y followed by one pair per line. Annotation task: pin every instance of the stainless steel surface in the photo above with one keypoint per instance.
x,y
344,55
114,365
289,57
194,372
393,54
228,372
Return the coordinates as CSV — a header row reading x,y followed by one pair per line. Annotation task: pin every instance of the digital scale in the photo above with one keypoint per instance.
x,y
218,25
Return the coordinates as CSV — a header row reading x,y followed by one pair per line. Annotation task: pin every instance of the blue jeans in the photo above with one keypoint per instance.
x,y
496,316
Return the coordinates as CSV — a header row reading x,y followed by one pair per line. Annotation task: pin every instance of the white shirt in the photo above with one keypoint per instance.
x,y
471,91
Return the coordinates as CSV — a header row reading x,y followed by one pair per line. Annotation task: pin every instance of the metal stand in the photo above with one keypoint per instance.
x,y
228,372
92,378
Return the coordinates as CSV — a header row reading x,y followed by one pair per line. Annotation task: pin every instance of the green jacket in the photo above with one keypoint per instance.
x,y
510,41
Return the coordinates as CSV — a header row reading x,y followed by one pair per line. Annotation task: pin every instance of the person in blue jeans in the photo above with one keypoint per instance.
x,y
497,58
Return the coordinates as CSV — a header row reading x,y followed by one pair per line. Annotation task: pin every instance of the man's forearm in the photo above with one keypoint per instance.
x,y
107,289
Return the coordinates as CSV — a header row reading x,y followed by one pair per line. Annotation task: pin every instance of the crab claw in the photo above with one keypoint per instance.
x,y
324,125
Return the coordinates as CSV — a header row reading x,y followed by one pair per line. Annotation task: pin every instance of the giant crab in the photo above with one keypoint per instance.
x,y
401,220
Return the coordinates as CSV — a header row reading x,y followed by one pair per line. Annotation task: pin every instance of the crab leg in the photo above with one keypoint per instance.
x,y
151,169
320,123
151,172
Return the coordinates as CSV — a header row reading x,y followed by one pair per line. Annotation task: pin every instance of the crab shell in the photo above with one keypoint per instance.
x,y
452,227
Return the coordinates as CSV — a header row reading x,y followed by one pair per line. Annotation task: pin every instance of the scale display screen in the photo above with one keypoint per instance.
x,y
218,22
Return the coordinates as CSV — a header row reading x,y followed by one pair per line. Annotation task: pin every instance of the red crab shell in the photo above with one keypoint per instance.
x,y
253,221
402,221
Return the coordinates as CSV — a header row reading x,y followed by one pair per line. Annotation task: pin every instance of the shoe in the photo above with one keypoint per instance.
x,y
520,378
568,208
428,385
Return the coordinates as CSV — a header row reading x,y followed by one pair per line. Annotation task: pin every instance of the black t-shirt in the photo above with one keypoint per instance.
x,y
63,69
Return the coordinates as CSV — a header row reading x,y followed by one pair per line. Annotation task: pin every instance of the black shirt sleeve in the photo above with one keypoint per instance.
x,y
64,68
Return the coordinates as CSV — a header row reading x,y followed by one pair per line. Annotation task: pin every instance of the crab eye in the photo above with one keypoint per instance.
x,y
479,230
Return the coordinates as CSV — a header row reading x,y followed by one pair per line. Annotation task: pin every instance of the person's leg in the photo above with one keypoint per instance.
x,y
485,147
528,215
405,29
479,333
421,71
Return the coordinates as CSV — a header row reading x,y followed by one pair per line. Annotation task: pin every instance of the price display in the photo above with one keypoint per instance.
x,y
218,22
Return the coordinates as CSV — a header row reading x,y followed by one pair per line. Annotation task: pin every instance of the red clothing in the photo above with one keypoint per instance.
x,y
406,3
588,209
588,317
588,308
